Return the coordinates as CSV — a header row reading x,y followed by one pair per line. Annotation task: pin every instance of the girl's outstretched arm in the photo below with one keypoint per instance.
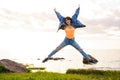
x,y
59,16
75,16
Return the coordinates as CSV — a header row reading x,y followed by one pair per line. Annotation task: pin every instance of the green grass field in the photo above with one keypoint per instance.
x,y
71,74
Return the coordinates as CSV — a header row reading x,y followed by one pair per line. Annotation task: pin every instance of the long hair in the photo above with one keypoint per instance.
x,y
68,18
63,26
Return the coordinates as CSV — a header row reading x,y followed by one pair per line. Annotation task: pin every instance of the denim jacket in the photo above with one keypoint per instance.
x,y
75,22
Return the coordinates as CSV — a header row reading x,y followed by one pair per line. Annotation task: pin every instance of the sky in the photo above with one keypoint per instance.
x,y
28,26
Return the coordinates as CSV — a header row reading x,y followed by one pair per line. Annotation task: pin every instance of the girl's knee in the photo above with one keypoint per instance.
x,y
81,50
58,48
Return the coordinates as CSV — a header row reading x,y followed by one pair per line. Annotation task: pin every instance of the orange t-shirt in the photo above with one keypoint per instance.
x,y
69,32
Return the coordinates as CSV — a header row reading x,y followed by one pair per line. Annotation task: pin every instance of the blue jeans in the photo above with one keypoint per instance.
x,y
71,42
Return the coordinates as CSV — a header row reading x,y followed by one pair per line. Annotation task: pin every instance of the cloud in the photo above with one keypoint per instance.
x,y
110,23
111,20
34,21
48,22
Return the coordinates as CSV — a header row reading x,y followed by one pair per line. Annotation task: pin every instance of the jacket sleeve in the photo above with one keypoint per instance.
x,y
59,16
75,16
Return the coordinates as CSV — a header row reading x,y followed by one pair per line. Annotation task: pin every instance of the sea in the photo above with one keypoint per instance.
x,y
108,59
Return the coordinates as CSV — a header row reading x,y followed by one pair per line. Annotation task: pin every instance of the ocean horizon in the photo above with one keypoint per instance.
x,y
108,59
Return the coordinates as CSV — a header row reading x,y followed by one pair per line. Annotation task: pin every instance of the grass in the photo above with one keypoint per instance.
x,y
71,74
2,69
96,74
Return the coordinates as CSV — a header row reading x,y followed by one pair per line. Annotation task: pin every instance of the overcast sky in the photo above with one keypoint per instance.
x,y
103,13
102,18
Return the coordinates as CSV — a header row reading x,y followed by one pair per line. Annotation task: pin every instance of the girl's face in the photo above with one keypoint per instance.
x,y
68,21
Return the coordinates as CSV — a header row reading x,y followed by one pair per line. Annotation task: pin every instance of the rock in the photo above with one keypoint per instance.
x,y
86,61
38,58
13,66
56,58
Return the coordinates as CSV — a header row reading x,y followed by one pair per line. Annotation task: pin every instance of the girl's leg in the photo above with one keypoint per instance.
x,y
63,44
76,46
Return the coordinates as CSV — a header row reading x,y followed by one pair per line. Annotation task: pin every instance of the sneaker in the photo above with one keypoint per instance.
x,y
46,59
93,61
